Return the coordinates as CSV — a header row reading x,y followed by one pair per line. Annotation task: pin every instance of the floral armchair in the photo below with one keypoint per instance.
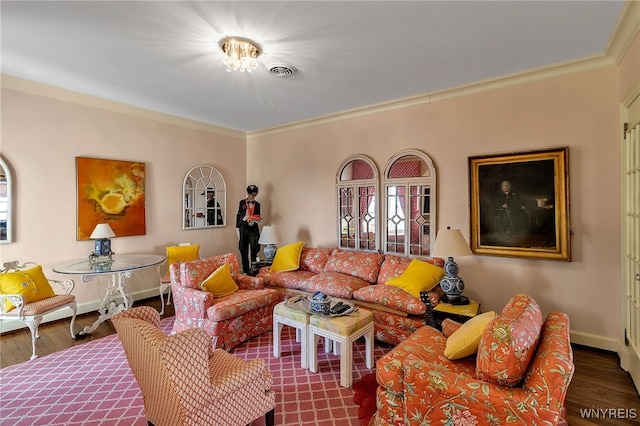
x,y
520,374
232,319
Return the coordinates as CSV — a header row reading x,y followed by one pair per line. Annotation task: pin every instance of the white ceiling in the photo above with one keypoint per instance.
x,y
163,55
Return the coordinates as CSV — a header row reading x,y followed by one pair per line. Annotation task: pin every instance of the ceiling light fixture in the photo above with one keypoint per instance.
x,y
240,53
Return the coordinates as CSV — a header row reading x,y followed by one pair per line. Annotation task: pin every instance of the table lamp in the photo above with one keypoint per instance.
x,y
269,237
450,243
102,248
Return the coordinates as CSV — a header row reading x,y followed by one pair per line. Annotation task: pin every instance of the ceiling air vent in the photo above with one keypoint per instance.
x,y
282,70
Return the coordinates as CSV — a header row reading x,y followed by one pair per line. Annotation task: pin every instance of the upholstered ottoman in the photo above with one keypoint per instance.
x,y
283,314
343,331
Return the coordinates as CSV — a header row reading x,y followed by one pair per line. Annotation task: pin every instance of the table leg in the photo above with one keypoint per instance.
x,y
109,307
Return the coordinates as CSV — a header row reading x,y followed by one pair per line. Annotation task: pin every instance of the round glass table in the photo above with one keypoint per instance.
x,y
116,298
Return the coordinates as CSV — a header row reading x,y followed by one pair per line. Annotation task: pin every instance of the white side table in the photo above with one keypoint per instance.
x,y
343,331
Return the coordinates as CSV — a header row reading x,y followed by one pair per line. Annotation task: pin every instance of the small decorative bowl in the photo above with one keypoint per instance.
x,y
320,303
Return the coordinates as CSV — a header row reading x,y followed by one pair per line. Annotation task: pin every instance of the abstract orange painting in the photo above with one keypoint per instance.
x,y
110,191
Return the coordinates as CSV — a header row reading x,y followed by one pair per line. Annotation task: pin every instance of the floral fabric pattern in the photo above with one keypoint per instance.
x,y
391,296
393,266
357,264
233,319
509,342
418,385
333,284
313,259
288,279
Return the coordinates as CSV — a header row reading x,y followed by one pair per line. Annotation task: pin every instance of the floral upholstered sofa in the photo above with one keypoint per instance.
x,y
360,278
520,373
233,318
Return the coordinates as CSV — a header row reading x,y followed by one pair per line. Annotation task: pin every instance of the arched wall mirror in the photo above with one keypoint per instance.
x,y
204,194
5,203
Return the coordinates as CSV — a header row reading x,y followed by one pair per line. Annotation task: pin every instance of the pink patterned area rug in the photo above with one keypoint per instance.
x,y
91,384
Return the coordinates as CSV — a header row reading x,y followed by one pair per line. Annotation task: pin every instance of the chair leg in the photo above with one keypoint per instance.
x,y
270,418
74,308
33,323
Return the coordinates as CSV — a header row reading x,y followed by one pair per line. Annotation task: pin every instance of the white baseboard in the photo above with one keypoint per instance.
x,y
595,341
83,308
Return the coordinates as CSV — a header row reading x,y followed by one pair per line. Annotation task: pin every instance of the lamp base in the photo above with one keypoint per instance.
x,y
459,300
269,252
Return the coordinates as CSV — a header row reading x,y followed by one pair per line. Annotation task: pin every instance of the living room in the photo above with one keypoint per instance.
x,y
44,128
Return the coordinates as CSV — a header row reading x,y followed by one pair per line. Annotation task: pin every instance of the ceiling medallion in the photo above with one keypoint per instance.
x,y
240,53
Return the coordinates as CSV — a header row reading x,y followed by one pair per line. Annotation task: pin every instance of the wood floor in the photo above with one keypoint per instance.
x,y
598,384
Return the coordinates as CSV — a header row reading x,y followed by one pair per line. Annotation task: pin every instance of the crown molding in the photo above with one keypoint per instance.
x,y
625,31
45,90
532,75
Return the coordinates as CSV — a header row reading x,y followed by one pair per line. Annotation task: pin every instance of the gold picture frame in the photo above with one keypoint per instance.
x,y
520,204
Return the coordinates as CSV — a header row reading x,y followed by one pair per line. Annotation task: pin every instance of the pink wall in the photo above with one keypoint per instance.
x,y
579,111
40,138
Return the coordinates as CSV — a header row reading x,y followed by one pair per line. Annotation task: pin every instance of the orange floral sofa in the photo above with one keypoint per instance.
x,y
360,278
520,374
232,319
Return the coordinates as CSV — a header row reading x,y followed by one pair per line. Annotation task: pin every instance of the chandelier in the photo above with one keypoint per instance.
x,y
240,53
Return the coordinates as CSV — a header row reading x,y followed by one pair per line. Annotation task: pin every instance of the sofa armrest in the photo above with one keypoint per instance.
x,y
247,282
192,300
455,397
449,327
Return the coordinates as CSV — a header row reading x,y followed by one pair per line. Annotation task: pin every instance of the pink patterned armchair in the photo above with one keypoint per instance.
x,y
520,374
184,381
232,319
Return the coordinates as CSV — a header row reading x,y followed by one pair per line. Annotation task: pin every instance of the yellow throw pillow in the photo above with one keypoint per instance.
x,y
465,340
30,283
184,253
287,257
419,276
220,283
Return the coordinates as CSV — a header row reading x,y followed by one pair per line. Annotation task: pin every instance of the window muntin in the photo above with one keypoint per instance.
x,y
357,186
409,222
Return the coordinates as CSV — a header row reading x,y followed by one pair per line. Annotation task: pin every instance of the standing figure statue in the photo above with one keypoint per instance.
x,y
247,221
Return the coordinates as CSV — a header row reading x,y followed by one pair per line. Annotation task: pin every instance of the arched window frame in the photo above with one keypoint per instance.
x,y
363,233
418,237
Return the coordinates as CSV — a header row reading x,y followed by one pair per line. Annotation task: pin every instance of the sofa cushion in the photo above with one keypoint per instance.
x,y
391,296
419,276
193,273
333,284
220,283
362,265
289,279
241,302
465,340
509,342
393,266
314,259
287,257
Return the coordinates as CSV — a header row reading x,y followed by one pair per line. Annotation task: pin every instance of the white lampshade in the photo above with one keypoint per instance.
x,y
450,243
269,235
102,230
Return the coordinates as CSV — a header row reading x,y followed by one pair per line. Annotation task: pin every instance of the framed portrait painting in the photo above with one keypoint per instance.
x,y
110,191
520,204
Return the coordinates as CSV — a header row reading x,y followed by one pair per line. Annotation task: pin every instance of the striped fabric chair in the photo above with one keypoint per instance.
x,y
184,381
